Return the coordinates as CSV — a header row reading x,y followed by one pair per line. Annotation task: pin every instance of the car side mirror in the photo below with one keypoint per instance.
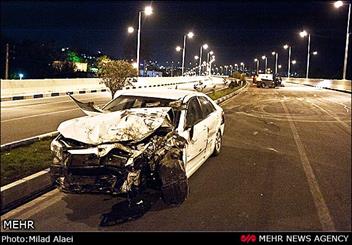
x,y
191,131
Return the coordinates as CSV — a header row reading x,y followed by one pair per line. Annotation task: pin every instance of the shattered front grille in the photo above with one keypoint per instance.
x,y
114,160
82,160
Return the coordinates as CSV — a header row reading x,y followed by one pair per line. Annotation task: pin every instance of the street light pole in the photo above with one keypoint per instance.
x,y
303,34
346,46
205,46
266,63
257,65
138,39
148,11
308,57
289,59
276,58
200,60
7,62
208,59
183,53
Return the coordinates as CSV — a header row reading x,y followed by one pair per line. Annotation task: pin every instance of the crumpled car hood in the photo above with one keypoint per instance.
x,y
127,125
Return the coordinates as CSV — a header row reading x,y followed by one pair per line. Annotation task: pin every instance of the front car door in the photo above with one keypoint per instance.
x,y
211,120
196,133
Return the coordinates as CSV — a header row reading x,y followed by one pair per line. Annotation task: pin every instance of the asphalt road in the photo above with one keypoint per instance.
x,y
27,118
285,165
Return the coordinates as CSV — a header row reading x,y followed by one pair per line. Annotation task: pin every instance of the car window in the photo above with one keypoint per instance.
x,y
206,105
124,102
194,112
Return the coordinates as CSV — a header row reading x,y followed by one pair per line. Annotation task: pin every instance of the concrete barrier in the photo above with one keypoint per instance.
x,y
338,85
39,88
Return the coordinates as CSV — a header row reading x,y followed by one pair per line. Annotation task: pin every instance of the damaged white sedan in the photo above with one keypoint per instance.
x,y
140,139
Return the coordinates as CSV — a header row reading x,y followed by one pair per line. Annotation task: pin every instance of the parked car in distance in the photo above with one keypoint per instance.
x,y
265,80
153,138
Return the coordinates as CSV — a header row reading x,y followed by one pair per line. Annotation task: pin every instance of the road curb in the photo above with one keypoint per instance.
x,y
28,141
20,191
226,97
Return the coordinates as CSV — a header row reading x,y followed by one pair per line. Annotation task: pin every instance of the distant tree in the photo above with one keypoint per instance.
x,y
72,56
238,75
63,69
114,73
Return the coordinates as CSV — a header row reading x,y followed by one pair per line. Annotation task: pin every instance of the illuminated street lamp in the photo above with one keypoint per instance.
x,y
242,64
294,62
208,58
257,63
236,67
130,29
266,62
21,76
304,34
178,48
315,52
286,46
339,4
148,10
204,46
276,58
135,65
189,35
208,55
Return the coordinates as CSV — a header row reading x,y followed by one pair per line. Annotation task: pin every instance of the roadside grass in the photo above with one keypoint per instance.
x,y
26,160
223,92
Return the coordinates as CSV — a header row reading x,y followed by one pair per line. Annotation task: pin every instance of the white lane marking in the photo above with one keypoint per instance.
x,y
333,116
35,206
272,149
38,115
322,209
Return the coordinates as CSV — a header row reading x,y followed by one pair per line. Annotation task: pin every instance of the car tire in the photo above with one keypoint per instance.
x,y
263,85
174,182
218,144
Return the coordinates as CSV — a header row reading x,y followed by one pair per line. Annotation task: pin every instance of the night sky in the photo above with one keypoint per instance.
x,y
235,30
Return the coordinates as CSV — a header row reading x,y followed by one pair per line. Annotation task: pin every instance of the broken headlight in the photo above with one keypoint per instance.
x,y
57,149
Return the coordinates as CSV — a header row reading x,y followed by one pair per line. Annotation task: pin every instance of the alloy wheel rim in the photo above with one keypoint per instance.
x,y
218,141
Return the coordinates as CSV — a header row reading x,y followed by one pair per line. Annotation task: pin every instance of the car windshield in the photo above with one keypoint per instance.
x,y
124,102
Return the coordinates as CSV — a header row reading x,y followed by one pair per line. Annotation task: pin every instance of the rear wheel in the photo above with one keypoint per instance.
x,y
218,144
263,85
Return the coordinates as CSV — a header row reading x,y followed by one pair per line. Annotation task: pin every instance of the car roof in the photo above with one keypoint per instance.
x,y
173,94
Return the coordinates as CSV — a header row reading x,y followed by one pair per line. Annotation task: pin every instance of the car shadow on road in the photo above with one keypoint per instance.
x,y
125,211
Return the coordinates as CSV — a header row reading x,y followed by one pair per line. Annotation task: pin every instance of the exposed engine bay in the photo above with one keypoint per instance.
x,y
122,152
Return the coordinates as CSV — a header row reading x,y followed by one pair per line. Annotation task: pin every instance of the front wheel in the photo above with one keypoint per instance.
x,y
263,85
218,144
